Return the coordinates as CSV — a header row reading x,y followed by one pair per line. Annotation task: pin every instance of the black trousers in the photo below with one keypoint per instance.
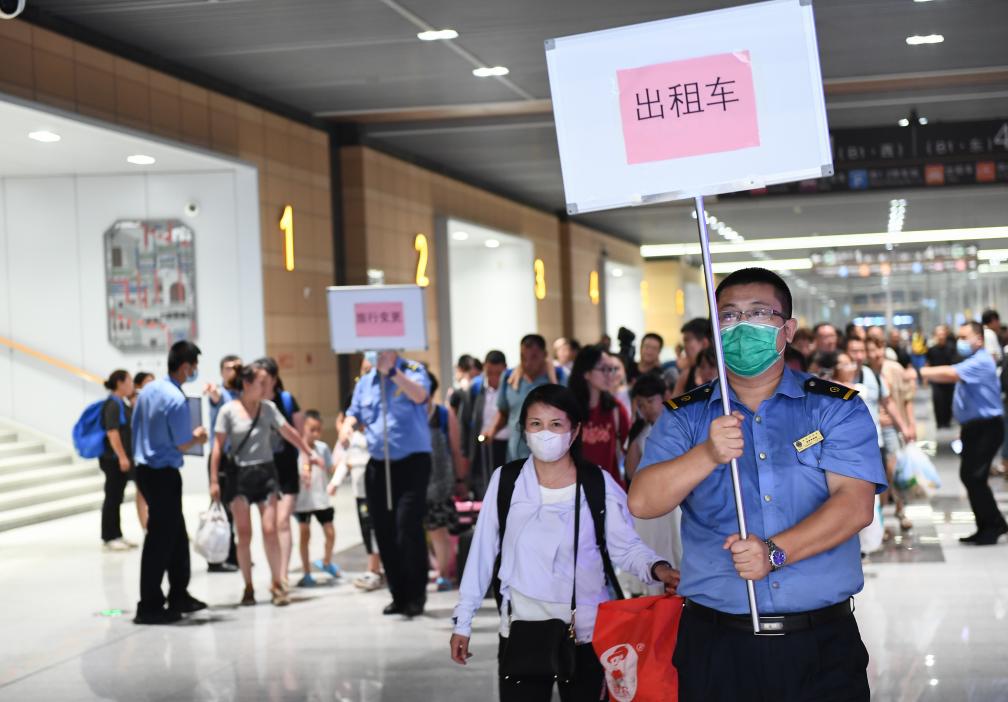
x,y
981,440
826,663
115,488
402,544
222,480
941,400
166,546
587,685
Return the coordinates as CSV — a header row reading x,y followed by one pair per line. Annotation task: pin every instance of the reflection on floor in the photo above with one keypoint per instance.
x,y
933,616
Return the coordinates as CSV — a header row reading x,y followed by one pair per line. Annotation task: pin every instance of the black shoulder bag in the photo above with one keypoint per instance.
x,y
228,459
545,649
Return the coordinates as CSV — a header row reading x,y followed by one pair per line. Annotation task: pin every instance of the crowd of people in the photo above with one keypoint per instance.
x,y
820,417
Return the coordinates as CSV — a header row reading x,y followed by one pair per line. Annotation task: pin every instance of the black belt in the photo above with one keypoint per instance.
x,y
773,624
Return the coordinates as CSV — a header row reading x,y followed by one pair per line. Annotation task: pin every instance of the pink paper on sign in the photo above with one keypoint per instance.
x,y
379,319
691,107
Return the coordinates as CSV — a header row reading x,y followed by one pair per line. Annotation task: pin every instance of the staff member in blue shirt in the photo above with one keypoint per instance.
x,y
977,407
399,532
809,466
162,431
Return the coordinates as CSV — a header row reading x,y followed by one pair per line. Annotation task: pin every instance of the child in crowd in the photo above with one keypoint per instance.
x,y
355,461
313,499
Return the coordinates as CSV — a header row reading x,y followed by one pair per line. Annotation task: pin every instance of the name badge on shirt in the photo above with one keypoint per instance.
x,y
808,441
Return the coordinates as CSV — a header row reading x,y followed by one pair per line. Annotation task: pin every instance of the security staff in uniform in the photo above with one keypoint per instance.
x,y
399,532
809,467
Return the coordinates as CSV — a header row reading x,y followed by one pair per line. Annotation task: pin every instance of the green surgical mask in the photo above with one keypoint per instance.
x,y
749,349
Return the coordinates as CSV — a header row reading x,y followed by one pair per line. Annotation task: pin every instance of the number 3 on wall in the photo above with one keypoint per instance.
x,y
540,279
420,244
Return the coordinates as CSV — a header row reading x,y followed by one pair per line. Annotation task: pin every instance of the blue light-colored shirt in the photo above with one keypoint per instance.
x,y
781,486
978,392
161,423
407,421
511,401
225,397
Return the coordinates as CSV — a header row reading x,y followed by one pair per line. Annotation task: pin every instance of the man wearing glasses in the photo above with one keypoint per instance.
x,y
809,467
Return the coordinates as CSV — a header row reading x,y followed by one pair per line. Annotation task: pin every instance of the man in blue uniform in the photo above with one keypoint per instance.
x,y
977,407
399,531
162,432
809,466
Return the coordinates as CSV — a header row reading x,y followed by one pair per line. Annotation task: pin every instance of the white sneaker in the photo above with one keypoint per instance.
x,y
116,545
369,581
130,544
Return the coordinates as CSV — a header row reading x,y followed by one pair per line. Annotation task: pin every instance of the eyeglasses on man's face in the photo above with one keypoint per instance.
x,y
757,315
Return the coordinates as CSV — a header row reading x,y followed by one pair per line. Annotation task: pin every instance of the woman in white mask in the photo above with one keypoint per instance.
x,y
549,503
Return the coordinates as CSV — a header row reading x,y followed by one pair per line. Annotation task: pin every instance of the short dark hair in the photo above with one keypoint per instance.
x,y
989,316
534,340
653,335
116,377
313,414
816,328
140,378
851,328
748,276
495,357
648,385
874,341
804,334
574,344
976,327
465,362
699,327
563,399
825,359
230,358
707,356
182,352
434,384
793,354
847,341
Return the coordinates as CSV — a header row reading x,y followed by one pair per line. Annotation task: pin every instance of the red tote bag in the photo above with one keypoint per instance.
x,y
634,640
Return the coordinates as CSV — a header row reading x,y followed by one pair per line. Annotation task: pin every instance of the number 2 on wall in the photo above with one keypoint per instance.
x,y
420,244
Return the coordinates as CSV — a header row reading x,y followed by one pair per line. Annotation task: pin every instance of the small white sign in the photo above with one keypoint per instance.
x,y
376,318
697,105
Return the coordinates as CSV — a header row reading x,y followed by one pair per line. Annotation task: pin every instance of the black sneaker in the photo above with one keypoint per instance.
x,y
222,568
187,605
158,616
393,608
413,609
989,538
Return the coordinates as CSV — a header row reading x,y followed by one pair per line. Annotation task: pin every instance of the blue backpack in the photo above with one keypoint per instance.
x,y
88,433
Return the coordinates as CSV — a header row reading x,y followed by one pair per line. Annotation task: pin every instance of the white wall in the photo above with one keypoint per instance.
x,y
52,287
492,295
623,306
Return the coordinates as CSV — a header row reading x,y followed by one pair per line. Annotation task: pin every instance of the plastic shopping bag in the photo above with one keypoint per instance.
x,y
634,640
871,536
915,471
213,537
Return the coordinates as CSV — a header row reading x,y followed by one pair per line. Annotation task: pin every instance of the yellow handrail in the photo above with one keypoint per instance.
x,y
45,358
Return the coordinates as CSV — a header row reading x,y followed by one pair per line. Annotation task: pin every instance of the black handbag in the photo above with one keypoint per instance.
x,y
545,649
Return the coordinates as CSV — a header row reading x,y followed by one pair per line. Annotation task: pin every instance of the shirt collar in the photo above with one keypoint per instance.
x,y
789,385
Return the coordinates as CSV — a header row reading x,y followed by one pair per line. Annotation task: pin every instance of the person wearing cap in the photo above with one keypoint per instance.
x,y
809,469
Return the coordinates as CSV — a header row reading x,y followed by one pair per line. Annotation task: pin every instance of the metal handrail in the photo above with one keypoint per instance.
x,y
45,358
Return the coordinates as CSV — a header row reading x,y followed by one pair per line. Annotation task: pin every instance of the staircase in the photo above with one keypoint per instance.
x,y
42,480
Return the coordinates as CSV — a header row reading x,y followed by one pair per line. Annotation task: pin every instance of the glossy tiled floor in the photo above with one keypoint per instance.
x,y
933,615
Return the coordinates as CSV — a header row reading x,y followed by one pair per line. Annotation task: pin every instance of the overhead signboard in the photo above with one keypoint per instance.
x,y
376,318
697,105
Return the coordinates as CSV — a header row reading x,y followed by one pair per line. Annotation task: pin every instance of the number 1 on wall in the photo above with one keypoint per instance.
x,y
287,227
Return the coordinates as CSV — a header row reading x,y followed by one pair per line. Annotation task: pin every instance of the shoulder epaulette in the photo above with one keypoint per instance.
x,y
413,366
702,392
829,388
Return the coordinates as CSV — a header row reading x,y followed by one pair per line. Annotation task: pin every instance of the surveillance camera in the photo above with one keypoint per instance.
x,y
9,9
191,209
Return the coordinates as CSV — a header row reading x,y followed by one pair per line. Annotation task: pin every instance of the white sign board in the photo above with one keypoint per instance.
x,y
696,105
376,318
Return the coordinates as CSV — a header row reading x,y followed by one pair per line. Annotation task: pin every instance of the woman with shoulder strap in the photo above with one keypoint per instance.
x,y
248,424
549,566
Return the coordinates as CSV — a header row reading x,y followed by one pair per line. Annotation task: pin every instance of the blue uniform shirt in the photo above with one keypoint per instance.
x,y
978,392
407,421
781,486
161,424
225,397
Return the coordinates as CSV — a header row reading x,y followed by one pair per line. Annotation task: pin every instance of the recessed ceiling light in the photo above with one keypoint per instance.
x,y
904,122
460,236
922,121
617,272
45,136
141,159
918,39
489,72
491,244
437,35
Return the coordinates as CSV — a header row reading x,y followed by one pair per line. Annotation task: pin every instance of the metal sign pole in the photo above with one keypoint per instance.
x,y
388,462
723,383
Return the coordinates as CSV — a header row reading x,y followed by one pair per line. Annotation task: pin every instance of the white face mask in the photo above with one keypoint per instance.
x,y
547,446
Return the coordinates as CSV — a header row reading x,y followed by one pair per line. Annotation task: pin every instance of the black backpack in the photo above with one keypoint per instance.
x,y
593,484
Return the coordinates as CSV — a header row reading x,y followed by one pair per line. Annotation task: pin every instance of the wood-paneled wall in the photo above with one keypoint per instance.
x,y
292,158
